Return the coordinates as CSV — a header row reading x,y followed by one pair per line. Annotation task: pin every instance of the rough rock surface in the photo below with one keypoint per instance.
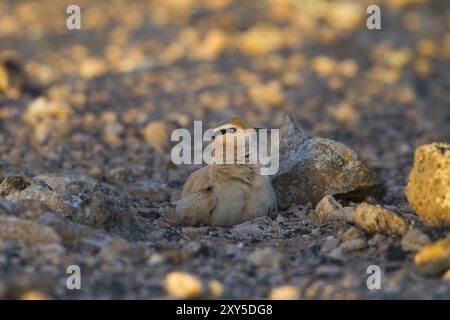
x,y
434,259
328,209
428,189
414,240
376,219
16,188
311,168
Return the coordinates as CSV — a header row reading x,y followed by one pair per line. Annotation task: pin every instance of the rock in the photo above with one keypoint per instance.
x,y
328,270
352,240
117,249
266,257
6,207
123,176
43,110
311,168
345,15
376,219
286,292
182,285
16,188
210,48
330,244
414,240
30,209
215,289
12,184
446,276
261,40
72,232
376,240
434,259
255,228
92,67
336,254
70,184
34,295
267,95
428,189
156,133
28,232
328,209
95,211
352,234
149,190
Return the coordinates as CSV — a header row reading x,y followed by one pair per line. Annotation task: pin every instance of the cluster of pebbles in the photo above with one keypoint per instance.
x,y
85,171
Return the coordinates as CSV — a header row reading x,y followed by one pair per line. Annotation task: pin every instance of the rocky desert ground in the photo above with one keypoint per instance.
x,y
85,168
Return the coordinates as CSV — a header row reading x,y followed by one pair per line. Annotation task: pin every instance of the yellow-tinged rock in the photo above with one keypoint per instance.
x,y
348,68
377,219
345,15
182,285
267,94
434,259
92,67
427,48
212,46
286,292
42,109
261,40
34,295
323,65
428,189
155,133
215,289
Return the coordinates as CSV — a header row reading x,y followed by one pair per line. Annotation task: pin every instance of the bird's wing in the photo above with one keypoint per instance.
x,y
197,200
196,207
199,180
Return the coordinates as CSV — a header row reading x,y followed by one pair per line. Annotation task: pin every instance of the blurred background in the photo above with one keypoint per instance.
x,y
108,96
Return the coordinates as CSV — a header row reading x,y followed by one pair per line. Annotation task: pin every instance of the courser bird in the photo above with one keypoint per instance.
x,y
227,194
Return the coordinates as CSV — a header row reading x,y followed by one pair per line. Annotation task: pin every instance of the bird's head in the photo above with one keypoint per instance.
x,y
232,134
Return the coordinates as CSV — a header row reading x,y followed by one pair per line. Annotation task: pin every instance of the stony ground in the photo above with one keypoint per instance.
x,y
84,145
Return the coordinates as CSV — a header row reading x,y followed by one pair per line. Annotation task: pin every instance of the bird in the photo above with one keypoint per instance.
x,y
224,194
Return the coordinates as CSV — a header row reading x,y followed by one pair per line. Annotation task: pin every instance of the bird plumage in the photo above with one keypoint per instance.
x,y
226,194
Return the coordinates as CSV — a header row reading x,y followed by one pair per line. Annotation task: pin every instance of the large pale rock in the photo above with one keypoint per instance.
x,y
16,188
70,196
428,189
311,168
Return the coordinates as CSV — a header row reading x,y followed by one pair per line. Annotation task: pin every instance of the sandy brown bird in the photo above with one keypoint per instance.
x,y
227,194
